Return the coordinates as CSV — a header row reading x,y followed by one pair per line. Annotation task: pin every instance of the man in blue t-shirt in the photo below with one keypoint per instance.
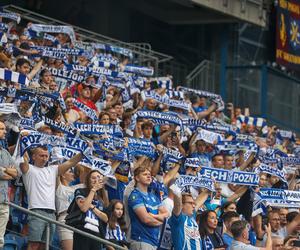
x,y
146,213
184,228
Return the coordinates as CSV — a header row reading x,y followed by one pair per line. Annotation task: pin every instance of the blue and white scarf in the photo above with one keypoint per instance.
x,y
187,180
3,27
200,123
175,94
65,74
51,38
165,100
277,198
115,49
44,28
284,134
86,110
255,121
208,136
156,117
214,97
27,123
98,129
171,155
162,82
63,153
230,176
237,145
263,168
97,71
13,76
68,130
143,71
11,15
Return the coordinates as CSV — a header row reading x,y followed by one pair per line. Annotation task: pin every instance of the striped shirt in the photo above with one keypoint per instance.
x,y
115,234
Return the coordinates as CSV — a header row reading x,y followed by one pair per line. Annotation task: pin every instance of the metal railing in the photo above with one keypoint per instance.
x,y
142,51
50,221
201,77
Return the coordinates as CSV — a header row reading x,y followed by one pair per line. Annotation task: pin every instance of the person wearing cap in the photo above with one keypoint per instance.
x,y
84,91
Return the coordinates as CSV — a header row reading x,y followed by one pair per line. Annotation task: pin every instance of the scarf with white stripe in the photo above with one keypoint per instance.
x,y
44,28
35,139
13,76
263,168
255,121
208,136
214,97
275,198
98,129
165,100
65,74
237,145
139,70
188,180
202,124
3,27
11,15
156,118
86,110
115,49
65,153
230,176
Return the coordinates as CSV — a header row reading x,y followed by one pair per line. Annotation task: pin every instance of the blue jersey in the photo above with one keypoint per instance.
x,y
185,232
140,231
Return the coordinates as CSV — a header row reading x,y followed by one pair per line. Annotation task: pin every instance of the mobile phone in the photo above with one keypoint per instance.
x,y
296,243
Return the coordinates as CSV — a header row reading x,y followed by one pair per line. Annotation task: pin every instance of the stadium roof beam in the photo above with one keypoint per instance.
x,y
252,11
203,11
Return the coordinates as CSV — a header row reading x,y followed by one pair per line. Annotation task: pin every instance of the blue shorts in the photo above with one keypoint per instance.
x,y
38,227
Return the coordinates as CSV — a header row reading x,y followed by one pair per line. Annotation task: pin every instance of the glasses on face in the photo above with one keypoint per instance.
x,y
189,202
275,219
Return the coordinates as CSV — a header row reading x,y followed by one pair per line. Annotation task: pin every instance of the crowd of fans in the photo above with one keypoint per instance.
x,y
159,154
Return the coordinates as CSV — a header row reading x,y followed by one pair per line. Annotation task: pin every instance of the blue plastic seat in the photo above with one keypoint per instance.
x,y
10,245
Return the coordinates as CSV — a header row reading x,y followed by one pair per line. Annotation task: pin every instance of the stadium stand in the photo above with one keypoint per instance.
x,y
99,152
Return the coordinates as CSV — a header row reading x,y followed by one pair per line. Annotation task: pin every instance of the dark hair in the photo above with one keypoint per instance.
x,y
103,113
112,218
21,61
43,72
147,125
87,179
291,216
213,158
227,204
203,226
237,228
229,215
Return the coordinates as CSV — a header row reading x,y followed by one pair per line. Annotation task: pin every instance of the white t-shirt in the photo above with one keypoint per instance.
x,y
237,245
64,196
40,186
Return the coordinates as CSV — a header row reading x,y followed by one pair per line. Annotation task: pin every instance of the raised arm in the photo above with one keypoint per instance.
x,y
70,163
205,113
238,193
35,69
202,197
177,205
25,165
